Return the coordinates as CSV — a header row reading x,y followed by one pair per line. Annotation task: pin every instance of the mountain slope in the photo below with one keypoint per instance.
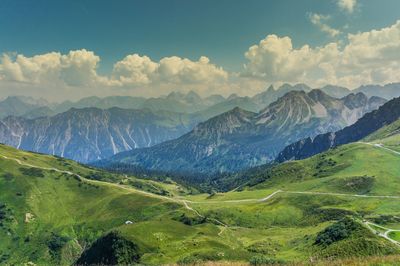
x,y
336,91
239,139
375,155
271,95
386,114
91,134
50,217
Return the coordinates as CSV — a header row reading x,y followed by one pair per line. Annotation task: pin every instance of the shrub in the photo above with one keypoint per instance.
x,y
264,260
190,220
35,172
8,176
56,242
337,231
198,258
111,249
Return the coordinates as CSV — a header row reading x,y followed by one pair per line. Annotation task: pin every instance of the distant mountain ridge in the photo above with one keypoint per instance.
x,y
239,139
178,102
91,134
20,105
366,125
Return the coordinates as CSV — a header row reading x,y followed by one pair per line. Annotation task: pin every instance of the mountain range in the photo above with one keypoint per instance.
x,y
386,114
253,127
239,139
177,102
339,207
90,134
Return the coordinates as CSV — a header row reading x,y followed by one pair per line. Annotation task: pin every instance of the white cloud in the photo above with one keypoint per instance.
x,y
347,5
134,69
319,21
138,70
368,57
363,58
77,68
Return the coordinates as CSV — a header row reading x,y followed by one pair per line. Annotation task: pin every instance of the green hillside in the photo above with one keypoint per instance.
x,y
389,136
333,205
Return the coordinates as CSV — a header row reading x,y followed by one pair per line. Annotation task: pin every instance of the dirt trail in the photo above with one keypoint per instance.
x,y
385,234
380,145
185,202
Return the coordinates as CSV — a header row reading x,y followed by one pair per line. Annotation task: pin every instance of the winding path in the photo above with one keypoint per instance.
x,y
225,226
386,233
184,202
380,145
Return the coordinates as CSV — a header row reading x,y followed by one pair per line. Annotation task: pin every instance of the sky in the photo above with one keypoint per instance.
x,y
71,49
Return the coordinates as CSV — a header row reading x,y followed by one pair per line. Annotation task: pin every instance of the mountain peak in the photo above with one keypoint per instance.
x,y
232,96
318,95
192,96
175,95
367,124
355,100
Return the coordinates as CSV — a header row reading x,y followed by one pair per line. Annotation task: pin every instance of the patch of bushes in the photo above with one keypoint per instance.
x,y
337,231
264,260
3,211
190,220
385,219
111,249
8,176
4,258
56,243
35,172
198,258
6,214
329,214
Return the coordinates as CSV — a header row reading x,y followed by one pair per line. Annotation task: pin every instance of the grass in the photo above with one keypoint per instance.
x,y
395,235
50,218
60,204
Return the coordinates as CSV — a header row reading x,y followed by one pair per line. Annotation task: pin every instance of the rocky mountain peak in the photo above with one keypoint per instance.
x,y
355,100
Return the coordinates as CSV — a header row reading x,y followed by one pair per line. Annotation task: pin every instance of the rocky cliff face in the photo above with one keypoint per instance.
x,y
91,134
369,123
239,139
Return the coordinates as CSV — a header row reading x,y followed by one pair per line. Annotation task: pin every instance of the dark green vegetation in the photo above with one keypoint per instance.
x,y
110,249
347,237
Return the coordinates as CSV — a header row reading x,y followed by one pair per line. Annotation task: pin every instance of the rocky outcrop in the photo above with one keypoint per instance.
x,y
369,123
240,139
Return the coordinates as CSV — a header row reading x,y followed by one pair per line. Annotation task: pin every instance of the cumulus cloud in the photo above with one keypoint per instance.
x,y
134,69
77,68
137,70
368,57
347,5
320,21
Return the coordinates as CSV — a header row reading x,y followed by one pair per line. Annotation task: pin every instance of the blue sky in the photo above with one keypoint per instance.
x,y
221,30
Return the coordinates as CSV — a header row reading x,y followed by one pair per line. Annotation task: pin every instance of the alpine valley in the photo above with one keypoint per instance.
x,y
96,128
200,133
339,207
239,139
